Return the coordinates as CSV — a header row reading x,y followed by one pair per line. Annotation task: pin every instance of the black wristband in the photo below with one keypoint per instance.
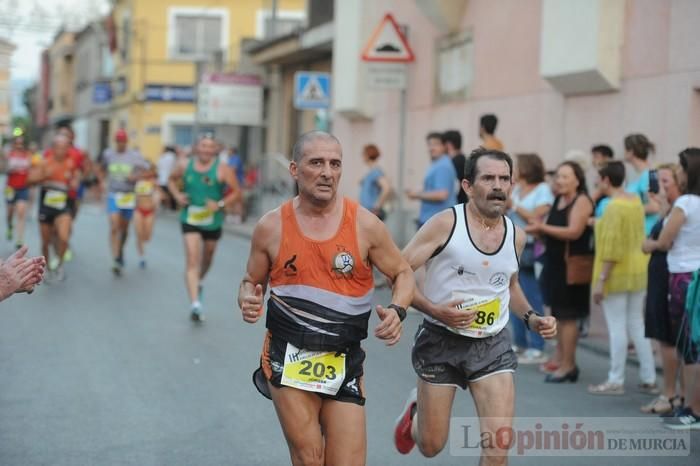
x,y
526,318
399,310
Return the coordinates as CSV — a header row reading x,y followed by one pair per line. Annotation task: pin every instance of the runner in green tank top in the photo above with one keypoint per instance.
x,y
200,188
203,187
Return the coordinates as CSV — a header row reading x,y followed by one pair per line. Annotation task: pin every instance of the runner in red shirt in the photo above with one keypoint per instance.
x,y
19,161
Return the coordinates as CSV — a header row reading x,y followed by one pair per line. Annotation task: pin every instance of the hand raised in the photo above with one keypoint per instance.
x,y
252,304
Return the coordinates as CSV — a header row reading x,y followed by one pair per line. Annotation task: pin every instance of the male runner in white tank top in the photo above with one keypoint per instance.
x,y
470,253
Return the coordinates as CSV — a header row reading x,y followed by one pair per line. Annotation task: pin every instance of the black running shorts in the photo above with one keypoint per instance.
x,y
272,365
442,357
48,215
207,235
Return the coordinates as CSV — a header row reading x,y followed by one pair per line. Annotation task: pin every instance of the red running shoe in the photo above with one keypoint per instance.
x,y
402,431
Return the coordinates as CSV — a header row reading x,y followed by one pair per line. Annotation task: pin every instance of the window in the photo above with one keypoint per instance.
x,y
183,135
197,33
287,22
107,65
454,67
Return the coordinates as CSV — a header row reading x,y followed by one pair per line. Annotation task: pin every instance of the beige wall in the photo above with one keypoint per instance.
x,y
657,96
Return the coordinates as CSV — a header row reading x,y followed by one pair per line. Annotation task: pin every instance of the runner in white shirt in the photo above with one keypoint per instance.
x,y
470,253
166,163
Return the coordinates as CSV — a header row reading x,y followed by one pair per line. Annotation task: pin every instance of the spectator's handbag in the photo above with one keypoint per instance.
x,y
579,268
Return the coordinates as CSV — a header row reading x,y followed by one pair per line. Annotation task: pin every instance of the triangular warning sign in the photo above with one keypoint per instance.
x,y
388,44
313,92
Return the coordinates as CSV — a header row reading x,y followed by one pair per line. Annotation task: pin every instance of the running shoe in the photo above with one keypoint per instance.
x,y
686,420
53,263
403,440
68,255
196,314
59,274
117,268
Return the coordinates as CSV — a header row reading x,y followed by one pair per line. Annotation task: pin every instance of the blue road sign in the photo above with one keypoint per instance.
x,y
101,92
168,93
312,90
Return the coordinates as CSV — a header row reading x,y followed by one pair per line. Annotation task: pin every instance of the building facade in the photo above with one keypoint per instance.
x,y
308,49
92,88
159,43
61,79
6,49
559,76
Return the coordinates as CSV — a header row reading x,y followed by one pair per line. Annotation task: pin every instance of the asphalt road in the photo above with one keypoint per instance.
x,y
99,370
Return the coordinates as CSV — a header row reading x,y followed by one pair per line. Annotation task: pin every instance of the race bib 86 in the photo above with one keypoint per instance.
x,y
488,311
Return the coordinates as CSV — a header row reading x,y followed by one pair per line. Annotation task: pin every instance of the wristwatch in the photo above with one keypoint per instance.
x,y
526,318
221,204
401,311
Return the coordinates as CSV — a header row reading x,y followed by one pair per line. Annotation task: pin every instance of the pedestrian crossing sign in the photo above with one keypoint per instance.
x,y
312,90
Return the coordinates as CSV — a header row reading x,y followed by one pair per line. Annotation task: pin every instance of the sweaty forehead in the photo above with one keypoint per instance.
x,y
490,166
322,148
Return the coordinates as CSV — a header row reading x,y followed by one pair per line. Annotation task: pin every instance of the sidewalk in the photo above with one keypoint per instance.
x,y
596,341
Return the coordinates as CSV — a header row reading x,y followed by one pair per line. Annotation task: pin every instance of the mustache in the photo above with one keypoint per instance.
x,y
498,195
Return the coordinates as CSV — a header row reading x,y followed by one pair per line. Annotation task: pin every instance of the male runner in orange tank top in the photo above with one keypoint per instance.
x,y
56,175
316,253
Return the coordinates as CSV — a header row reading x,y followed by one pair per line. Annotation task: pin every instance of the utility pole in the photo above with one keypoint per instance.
x,y
273,23
198,73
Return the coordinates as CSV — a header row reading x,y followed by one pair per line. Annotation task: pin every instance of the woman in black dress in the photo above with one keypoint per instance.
x,y
567,223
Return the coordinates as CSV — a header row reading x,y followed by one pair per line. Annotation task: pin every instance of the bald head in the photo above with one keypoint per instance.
x,y
299,149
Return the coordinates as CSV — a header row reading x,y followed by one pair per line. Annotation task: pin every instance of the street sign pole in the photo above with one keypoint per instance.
x,y
388,46
401,234
199,71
